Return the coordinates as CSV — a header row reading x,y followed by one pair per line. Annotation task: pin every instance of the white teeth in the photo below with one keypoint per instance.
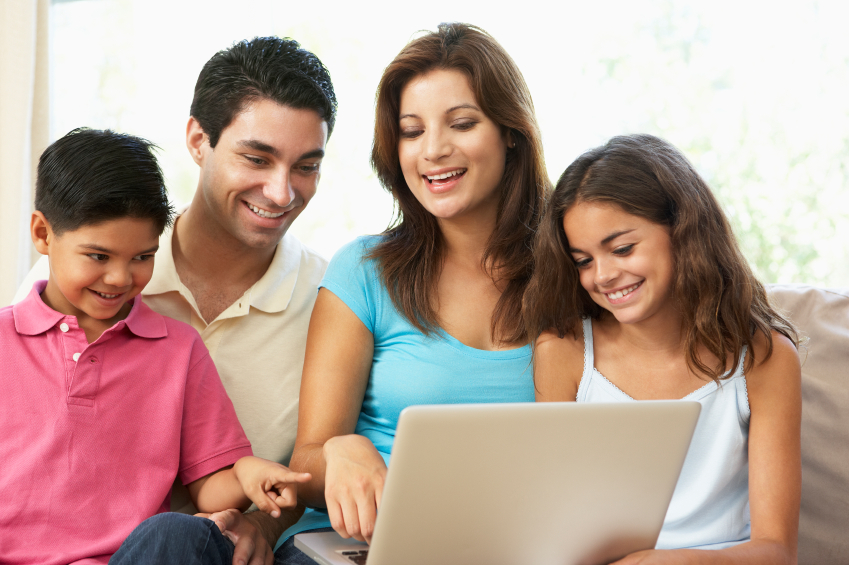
x,y
445,175
104,295
624,292
264,213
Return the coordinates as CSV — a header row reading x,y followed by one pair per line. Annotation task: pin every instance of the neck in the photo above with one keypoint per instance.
x,y
93,327
204,249
662,332
466,238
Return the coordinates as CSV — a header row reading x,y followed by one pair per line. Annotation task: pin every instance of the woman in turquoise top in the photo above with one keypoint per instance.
x,y
429,311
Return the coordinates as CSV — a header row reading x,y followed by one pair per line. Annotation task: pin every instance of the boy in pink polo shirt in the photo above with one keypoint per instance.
x,y
104,402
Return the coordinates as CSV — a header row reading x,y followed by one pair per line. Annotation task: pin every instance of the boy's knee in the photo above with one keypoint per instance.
x,y
170,537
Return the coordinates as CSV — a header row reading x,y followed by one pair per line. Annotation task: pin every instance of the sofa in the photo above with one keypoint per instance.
x,y
822,318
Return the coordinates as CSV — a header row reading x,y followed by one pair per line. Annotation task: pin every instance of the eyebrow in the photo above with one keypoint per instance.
x,y
106,251
266,148
314,154
604,241
259,146
465,106
614,235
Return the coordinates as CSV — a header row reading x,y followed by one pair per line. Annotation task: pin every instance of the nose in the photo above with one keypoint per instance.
x,y
606,272
436,144
279,190
118,275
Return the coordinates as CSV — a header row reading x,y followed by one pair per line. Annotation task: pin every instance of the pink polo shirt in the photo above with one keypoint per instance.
x,y
93,435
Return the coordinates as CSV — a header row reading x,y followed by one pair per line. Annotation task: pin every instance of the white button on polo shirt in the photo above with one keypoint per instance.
x,y
64,327
76,356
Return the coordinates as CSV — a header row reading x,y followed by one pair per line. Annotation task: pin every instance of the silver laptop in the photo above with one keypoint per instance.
x,y
549,483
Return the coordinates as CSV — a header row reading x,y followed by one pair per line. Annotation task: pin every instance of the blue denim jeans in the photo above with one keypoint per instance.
x,y
175,538
180,539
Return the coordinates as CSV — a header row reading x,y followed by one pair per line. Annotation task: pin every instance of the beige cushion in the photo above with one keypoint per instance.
x,y
822,315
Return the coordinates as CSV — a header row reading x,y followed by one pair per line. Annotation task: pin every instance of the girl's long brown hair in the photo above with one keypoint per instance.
x,y
722,303
410,252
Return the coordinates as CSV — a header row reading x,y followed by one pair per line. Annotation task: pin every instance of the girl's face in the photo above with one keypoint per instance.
x,y
624,261
452,155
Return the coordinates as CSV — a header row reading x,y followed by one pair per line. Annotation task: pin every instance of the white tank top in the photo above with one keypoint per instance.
x,y
710,506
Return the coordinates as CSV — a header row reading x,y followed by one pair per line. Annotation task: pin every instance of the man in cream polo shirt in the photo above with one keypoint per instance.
x,y
260,118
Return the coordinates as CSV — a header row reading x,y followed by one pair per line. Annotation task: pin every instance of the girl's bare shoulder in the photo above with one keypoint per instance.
x,y
782,369
558,365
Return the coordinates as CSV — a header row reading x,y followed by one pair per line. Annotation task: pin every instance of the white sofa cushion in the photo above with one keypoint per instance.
x,y
822,316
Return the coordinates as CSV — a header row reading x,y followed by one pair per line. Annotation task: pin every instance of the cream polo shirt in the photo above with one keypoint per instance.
x,y
257,343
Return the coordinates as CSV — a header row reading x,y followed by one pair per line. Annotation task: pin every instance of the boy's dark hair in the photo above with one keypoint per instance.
x,y
263,67
90,176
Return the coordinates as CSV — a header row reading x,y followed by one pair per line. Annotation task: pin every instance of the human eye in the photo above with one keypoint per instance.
x,y
255,160
464,124
98,256
582,262
144,257
411,132
623,250
308,168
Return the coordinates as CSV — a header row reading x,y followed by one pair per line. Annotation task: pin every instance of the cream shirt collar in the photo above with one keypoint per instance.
x,y
271,293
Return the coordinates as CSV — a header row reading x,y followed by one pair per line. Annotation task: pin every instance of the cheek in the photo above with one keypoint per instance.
x,y
143,273
407,160
586,278
492,154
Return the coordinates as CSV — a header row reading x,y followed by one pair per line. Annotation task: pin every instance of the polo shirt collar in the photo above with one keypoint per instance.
x,y
164,278
33,316
271,293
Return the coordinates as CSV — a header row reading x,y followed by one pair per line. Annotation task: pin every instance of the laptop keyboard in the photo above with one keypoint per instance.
x,y
357,556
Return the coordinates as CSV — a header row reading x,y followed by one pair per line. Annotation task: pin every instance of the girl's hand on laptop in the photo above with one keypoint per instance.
x,y
269,485
353,485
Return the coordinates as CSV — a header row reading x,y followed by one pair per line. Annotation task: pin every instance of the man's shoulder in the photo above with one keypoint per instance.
x,y
312,263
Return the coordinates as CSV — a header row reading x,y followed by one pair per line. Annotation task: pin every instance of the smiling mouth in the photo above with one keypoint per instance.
x,y
623,293
444,176
106,296
264,213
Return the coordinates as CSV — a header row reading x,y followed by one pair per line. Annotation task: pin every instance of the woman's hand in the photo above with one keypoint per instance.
x,y
353,485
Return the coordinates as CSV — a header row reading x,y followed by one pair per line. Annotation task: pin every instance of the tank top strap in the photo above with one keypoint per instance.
x,y
739,382
589,360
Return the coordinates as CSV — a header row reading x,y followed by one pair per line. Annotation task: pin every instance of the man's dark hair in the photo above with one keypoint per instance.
x,y
264,67
91,176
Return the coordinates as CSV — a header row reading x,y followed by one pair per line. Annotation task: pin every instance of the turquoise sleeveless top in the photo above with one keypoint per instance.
x,y
710,506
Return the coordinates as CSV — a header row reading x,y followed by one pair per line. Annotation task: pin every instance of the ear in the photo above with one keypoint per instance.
x,y
508,139
195,140
41,232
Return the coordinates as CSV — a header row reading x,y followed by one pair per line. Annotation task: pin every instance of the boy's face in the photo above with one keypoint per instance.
x,y
97,269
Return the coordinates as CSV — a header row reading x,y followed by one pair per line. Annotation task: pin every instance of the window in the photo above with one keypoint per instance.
x,y
753,92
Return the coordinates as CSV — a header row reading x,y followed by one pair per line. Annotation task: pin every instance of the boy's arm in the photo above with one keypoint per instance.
x,y
269,485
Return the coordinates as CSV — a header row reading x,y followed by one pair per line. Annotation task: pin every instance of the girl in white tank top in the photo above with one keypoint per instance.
x,y
641,292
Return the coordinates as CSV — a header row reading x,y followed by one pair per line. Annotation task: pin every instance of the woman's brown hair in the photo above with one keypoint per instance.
x,y
722,303
410,252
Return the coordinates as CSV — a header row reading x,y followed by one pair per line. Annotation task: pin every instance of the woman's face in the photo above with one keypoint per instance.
x,y
452,155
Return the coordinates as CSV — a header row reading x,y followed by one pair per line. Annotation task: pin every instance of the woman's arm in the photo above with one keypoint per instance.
x,y
775,473
347,470
558,366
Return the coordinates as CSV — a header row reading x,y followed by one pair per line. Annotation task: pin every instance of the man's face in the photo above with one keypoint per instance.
x,y
263,171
